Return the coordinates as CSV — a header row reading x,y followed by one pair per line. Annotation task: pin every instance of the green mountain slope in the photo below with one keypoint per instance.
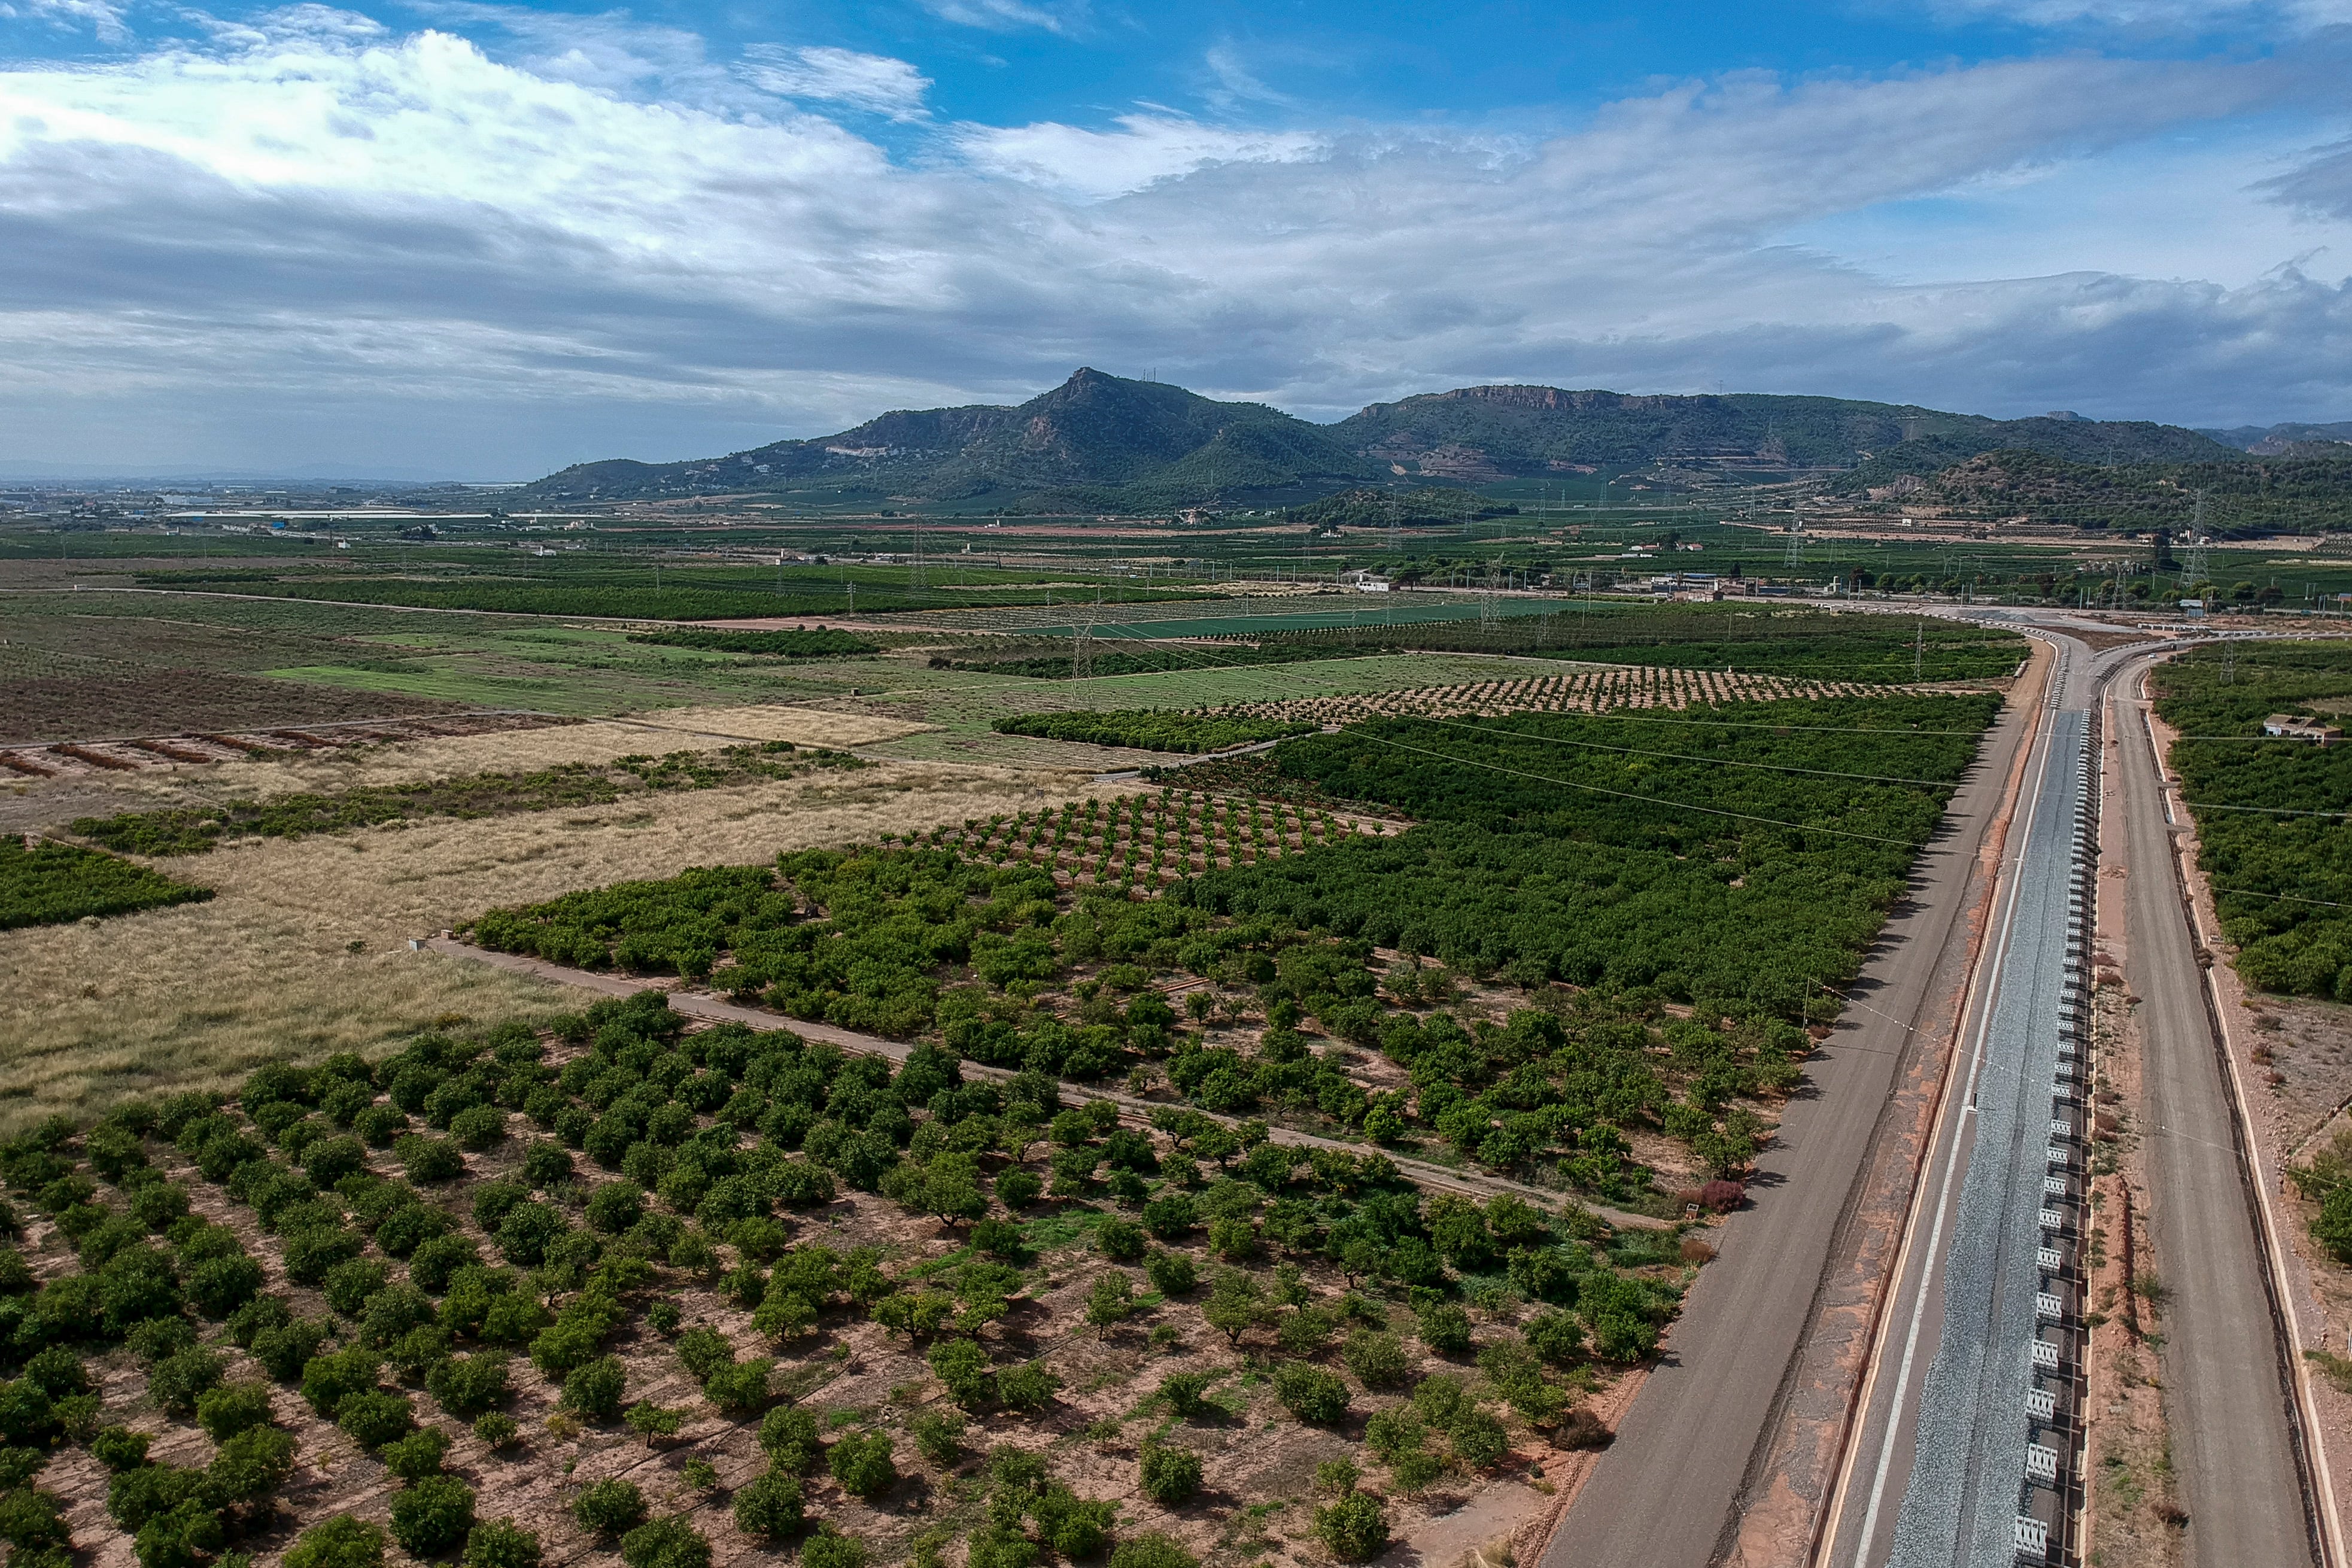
x,y
2242,494
1100,440
1481,432
1093,438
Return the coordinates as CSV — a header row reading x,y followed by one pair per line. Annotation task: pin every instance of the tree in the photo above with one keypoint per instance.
x,y
1172,1273
1110,1303
829,1548
1170,1476
609,1508
1121,1241
963,1366
652,1421
1353,1528
769,1505
595,1392
1377,1359
228,1409
416,1456
430,1516
1029,1387
501,1543
375,1419
341,1541
1234,1305
1184,1391
863,1465
1153,1550
1310,1394
665,1543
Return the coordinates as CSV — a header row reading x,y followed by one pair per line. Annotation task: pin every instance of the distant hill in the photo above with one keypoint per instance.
x,y
1489,432
1095,439
2238,495
2285,440
1103,441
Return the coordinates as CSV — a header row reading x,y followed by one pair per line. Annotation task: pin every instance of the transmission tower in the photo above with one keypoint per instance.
x,y
1796,555
915,569
1489,608
1082,650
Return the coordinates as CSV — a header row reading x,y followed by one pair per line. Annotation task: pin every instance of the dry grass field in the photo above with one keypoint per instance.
x,y
304,950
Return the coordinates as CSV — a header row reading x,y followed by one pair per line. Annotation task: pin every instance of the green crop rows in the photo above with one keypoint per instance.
x,y
2272,828
53,883
1149,729
483,1252
1740,864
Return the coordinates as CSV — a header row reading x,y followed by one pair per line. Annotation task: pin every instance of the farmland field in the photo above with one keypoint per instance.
x,y
2271,813
1694,854
541,1293
49,884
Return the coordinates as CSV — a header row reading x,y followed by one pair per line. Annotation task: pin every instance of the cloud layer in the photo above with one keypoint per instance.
x,y
318,240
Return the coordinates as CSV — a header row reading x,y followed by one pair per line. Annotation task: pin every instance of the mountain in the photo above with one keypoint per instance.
x,y
1101,441
2285,440
1481,433
2238,495
1096,438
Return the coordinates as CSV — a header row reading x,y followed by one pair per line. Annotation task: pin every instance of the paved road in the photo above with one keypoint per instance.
x,y
2227,1397
1665,1492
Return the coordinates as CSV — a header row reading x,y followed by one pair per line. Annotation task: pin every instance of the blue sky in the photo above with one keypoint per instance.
x,y
485,239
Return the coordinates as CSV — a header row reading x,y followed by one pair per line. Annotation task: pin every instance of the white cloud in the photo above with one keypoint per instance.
x,y
1010,16
319,242
2159,16
101,17
875,83
1144,150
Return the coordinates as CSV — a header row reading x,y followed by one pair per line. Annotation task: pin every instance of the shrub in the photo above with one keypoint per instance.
x,y
1184,1391
1152,1549
1378,1360
668,1542
120,1448
595,1391
375,1419
1172,1273
1171,1476
1029,1387
1411,1472
1557,1337
179,1381
498,1429
1478,1439
501,1543
219,1285
862,1463
391,1314
1393,1433
1121,1241
430,1516
962,1365
1018,1189
1446,1329
479,1126
287,1351
1304,1332
771,1505
329,1159
416,1456
528,1231
429,1160
615,1206
380,1126
938,1435
431,1266
788,1436
1309,1393
226,1410
341,1541
467,1385
1353,1528
740,1389
609,1507
410,1226
829,1548
351,1286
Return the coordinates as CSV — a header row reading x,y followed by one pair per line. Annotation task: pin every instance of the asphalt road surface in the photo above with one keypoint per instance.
x,y
1664,1494
2227,1397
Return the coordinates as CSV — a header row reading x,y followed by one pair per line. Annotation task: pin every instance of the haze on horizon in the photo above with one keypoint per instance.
x,y
459,237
